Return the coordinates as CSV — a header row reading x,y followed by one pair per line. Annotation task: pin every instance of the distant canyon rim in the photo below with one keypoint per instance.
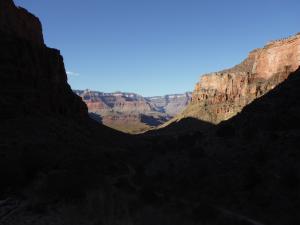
x,y
218,96
133,113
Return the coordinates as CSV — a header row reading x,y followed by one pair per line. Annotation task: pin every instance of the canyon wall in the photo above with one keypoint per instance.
x,y
33,77
221,95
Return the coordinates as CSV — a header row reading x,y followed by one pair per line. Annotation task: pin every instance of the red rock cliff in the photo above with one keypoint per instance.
x,y
221,95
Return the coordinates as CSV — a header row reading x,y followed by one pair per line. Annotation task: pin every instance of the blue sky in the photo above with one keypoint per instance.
x,y
157,47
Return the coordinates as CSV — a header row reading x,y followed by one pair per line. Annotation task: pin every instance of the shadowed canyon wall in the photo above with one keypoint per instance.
x,y
33,77
19,22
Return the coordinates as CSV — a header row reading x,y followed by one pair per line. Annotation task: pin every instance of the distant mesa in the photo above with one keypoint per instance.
x,y
133,113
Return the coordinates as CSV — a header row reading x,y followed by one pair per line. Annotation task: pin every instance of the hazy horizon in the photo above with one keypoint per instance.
x,y
154,48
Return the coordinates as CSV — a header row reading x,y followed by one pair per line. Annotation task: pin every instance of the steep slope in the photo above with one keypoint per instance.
x,y
219,96
130,112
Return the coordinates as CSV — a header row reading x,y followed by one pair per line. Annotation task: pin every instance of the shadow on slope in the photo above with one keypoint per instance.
x,y
153,120
248,164
96,117
276,111
186,125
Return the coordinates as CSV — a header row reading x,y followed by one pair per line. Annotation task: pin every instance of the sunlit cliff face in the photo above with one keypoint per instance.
x,y
219,96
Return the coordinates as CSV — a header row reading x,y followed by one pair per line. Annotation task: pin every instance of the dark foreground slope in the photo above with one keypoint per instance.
x,y
244,171
248,165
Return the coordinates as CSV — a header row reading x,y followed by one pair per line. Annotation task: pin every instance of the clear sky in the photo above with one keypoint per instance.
x,y
157,47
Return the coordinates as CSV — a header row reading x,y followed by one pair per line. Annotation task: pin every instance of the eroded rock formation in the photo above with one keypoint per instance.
x,y
219,96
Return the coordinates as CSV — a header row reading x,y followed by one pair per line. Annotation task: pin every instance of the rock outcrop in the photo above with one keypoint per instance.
x,y
32,76
130,112
219,96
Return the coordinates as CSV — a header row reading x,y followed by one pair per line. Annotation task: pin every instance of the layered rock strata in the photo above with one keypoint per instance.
x,y
130,112
221,95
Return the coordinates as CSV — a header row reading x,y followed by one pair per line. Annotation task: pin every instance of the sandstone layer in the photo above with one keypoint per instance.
x,y
221,95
